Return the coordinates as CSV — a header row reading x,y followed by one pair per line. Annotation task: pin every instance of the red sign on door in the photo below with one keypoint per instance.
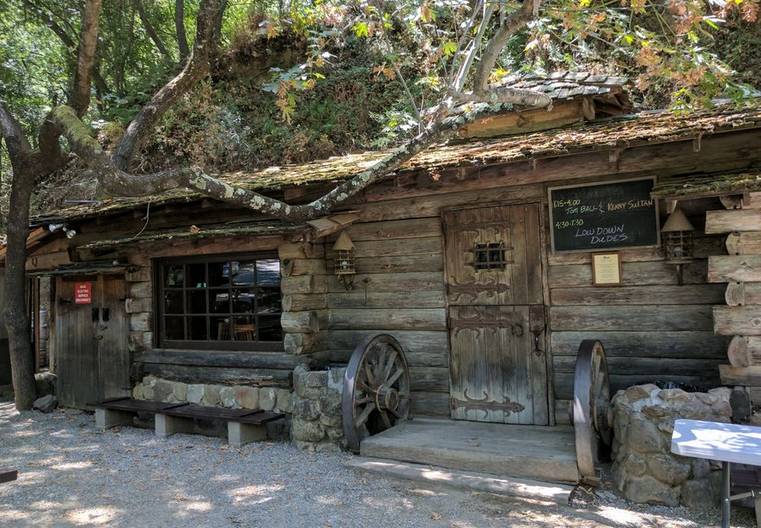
x,y
83,293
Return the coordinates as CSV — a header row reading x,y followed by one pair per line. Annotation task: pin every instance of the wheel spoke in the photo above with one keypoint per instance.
x,y
393,411
369,374
386,419
390,365
396,376
364,415
362,401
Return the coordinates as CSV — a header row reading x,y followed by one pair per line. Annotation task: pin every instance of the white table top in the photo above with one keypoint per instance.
x,y
717,441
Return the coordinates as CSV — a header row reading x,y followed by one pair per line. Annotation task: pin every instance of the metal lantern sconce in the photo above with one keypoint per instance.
x,y
344,261
678,234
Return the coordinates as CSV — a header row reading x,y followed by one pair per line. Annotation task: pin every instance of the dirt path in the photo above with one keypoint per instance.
x,y
72,475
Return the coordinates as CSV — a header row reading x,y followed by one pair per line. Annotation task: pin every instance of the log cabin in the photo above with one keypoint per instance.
x,y
488,261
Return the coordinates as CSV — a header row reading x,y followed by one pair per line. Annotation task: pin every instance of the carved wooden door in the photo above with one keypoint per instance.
x,y
496,314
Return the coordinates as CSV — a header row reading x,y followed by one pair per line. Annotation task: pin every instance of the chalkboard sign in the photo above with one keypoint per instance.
x,y
604,216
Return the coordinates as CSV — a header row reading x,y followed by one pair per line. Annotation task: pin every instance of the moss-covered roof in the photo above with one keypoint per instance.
x,y
628,131
703,185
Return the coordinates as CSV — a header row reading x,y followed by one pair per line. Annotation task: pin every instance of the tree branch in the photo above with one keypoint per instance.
x,y
511,24
79,98
196,68
154,36
10,130
179,27
506,94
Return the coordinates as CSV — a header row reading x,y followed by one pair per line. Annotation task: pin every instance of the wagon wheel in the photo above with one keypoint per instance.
x,y
376,391
591,407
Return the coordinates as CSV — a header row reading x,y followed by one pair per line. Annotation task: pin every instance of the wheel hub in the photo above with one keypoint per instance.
x,y
386,397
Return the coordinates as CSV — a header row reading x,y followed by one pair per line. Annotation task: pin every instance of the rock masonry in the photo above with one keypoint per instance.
x,y
317,422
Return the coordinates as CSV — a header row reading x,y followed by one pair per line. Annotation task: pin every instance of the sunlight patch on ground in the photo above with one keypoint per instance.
x,y
98,516
254,494
72,465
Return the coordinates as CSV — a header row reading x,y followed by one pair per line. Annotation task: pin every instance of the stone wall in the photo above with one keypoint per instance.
x,y
317,422
644,468
230,396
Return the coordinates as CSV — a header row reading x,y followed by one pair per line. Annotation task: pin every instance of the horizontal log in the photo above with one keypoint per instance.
x,y
703,247
141,290
300,322
423,349
304,284
301,250
391,282
300,344
385,319
744,243
411,263
48,261
137,305
744,351
734,268
733,220
429,404
632,274
635,318
742,293
563,382
403,299
221,375
140,274
395,248
634,366
299,302
395,229
429,379
696,345
219,358
737,320
296,266
748,376
687,294
562,412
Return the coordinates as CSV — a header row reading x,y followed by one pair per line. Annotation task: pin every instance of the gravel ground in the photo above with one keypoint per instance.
x,y
72,475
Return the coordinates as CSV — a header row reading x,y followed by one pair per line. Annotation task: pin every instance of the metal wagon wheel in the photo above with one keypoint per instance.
x,y
376,391
591,409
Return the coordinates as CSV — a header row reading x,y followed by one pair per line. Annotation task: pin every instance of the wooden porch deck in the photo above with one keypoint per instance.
x,y
525,451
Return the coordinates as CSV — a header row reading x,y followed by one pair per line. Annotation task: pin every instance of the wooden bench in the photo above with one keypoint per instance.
x,y
243,425
121,411
8,475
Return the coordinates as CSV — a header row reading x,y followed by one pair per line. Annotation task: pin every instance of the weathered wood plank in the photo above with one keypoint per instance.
x,y
304,284
696,345
429,379
734,268
634,366
300,322
299,302
635,318
628,295
632,274
744,351
221,375
395,229
219,358
423,349
403,247
748,243
740,375
388,319
563,383
431,262
429,404
733,220
402,299
290,250
737,320
742,293
703,247
294,267
391,282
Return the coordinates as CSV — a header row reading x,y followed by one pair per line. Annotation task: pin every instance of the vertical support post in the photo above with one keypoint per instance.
x,y
725,503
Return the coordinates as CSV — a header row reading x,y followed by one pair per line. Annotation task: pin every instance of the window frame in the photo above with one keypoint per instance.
x,y
160,340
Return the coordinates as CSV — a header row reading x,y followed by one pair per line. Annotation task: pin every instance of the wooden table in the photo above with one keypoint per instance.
x,y
726,443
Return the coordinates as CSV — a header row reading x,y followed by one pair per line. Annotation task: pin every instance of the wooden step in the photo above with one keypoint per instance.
x,y
467,480
521,451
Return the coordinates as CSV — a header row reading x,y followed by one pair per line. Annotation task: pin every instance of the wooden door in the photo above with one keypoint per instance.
x,y
92,360
498,367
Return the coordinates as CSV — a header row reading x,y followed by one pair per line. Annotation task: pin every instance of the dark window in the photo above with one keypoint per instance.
x,y
224,302
489,256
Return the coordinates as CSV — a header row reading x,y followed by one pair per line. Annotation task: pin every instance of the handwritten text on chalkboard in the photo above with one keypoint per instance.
x,y
604,216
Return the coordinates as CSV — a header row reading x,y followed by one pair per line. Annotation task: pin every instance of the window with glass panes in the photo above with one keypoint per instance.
x,y
220,302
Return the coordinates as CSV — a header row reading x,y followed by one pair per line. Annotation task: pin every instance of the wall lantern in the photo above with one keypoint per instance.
x,y
678,235
344,261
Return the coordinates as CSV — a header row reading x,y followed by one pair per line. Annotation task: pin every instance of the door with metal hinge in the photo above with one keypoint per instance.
x,y
497,323
91,329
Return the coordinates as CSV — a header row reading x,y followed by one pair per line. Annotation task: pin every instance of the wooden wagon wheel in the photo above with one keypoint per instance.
x,y
591,408
376,391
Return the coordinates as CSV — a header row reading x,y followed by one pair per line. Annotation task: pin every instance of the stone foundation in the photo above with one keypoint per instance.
x,y
317,422
644,468
230,396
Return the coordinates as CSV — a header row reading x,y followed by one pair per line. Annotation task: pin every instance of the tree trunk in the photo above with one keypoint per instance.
x,y
15,310
179,26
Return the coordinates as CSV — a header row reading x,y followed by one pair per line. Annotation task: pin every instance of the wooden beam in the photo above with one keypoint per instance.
x,y
742,293
748,243
327,225
744,351
737,320
733,220
747,376
734,268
